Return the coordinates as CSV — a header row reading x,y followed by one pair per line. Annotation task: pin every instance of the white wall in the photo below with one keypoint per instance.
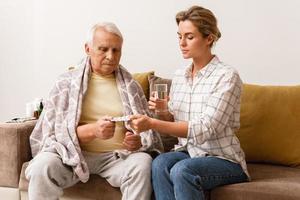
x,y
41,38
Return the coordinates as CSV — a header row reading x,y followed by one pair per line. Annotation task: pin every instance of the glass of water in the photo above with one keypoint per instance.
x,y
161,94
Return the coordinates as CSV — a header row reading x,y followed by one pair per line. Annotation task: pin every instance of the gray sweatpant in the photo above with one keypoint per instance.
x,y
48,176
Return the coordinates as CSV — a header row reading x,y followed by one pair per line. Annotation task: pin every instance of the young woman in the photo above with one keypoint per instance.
x,y
204,112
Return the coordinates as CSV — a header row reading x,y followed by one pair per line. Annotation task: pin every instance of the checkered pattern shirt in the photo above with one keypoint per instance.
x,y
210,103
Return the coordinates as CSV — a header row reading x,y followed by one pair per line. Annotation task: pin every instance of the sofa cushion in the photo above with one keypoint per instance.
x,y
95,188
142,79
9,193
14,150
268,182
153,79
270,124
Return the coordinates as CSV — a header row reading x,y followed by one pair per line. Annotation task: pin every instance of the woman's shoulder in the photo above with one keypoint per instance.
x,y
226,70
179,75
181,72
226,73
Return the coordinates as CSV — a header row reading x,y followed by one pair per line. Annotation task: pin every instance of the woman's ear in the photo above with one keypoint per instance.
x,y
210,40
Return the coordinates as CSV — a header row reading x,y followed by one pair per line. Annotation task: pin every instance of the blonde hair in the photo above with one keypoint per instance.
x,y
203,19
108,26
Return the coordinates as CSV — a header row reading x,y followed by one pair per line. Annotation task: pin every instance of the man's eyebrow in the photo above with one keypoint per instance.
x,y
101,45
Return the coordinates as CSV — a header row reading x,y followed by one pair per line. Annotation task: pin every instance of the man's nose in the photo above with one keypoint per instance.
x,y
109,55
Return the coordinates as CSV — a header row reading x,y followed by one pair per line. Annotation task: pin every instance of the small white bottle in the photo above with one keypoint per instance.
x,y
30,109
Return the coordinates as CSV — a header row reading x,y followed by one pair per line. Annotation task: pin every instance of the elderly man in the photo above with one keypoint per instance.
x,y
76,134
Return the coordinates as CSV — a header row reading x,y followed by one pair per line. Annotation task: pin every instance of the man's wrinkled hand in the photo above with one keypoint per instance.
x,y
104,128
132,142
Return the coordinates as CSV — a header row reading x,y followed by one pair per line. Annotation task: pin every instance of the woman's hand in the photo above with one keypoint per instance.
x,y
132,142
140,123
154,101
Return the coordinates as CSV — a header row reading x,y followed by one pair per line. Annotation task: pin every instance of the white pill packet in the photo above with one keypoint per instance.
x,y
121,119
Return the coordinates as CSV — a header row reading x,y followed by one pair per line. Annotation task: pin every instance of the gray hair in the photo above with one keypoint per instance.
x,y
108,26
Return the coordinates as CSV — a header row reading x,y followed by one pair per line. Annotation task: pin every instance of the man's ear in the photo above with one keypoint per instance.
x,y
87,48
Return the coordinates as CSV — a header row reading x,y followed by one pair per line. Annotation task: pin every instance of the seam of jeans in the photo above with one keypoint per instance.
x,y
219,177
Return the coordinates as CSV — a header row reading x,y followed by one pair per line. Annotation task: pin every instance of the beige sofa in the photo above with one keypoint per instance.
x,y
269,134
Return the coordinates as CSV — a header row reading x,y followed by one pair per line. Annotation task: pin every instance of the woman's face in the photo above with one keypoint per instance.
x,y
191,41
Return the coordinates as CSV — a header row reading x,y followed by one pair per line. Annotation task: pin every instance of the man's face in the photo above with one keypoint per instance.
x,y
105,52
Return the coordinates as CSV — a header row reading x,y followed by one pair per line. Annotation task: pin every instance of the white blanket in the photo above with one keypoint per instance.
x,y
55,130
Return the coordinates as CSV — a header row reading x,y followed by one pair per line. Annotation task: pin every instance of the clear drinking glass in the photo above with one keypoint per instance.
x,y
161,94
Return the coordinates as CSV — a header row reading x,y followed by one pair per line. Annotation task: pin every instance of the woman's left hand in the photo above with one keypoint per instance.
x,y
140,123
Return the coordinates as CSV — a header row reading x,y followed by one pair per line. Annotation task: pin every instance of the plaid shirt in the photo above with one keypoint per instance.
x,y
210,103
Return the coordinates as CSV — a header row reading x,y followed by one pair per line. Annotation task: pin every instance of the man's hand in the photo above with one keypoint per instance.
x,y
132,142
140,123
104,128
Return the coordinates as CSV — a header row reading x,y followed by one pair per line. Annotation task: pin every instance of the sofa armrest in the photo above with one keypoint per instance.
x,y
14,151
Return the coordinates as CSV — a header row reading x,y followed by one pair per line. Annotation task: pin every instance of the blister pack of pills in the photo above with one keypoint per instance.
x,y
121,119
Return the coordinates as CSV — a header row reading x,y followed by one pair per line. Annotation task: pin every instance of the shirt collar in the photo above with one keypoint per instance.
x,y
205,71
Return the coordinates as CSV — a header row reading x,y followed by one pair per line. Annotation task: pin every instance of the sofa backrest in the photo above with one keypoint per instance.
x,y
142,79
270,124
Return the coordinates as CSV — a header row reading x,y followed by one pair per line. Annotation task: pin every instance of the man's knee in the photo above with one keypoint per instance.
x,y
43,164
142,163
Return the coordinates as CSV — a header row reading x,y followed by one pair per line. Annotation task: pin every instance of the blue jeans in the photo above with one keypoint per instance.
x,y
175,175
